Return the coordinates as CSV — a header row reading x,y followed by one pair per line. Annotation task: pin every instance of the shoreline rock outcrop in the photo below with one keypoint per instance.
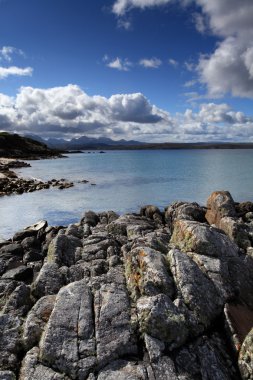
x,y
148,296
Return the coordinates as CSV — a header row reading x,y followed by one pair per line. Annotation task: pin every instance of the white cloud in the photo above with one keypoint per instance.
x,y
120,64
68,111
16,71
6,53
120,7
150,63
173,62
190,83
229,68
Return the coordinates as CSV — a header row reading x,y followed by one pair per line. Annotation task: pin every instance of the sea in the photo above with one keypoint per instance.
x,y
124,181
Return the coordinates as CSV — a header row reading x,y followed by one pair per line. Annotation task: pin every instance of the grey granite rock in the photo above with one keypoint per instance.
x,y
10,344
62,249
202,239
68,343
161,319
7,375
246,357
36,321
113,328
19,302
32,369
198,292
147,273
49,281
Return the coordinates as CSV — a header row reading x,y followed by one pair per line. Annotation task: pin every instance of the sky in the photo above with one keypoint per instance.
x,y
148,70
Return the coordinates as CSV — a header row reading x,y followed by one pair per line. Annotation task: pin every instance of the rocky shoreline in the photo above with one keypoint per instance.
x,y
10,183
158,295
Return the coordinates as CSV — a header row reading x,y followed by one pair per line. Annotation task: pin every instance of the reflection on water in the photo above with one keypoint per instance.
x,y
125,180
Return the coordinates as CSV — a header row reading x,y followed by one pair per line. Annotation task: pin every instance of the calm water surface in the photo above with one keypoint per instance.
x,y
125,180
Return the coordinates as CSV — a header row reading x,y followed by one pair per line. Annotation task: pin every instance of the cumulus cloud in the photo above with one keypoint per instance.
x,y
68,111
229,68
15,71
120,7
150,63
120,64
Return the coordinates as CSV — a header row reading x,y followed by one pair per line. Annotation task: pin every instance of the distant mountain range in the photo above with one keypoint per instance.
x,y
84,142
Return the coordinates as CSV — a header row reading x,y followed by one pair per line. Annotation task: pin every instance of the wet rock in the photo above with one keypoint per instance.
x,y
243,208
160,318
147,273
90,218
49,281
32,230
36,321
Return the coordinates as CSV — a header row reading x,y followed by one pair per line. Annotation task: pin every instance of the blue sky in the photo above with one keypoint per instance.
x,y
152,70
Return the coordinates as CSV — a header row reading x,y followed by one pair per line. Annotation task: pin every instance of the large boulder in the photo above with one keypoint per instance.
x,y
220,204
147,273
200,238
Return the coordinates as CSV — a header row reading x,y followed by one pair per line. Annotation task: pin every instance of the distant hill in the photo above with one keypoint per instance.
x,y
15,146
84,142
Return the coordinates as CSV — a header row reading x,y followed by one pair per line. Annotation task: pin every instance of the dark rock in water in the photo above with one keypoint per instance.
x,y
150,296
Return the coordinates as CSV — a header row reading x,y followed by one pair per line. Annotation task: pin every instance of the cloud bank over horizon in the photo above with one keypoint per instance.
x,y
70,112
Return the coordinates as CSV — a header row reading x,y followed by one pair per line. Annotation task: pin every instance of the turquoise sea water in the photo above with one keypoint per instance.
x,y
126,180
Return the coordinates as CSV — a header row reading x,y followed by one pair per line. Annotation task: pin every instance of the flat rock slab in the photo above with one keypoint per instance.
x,y
197,291
114,333
68,344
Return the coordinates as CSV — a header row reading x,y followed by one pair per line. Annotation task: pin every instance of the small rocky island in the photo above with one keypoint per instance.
x,y
148,296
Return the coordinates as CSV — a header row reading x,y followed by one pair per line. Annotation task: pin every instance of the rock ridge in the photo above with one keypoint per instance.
x,y
154,295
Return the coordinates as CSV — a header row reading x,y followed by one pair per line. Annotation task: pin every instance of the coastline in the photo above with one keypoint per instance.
x,y
148,292
11,183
